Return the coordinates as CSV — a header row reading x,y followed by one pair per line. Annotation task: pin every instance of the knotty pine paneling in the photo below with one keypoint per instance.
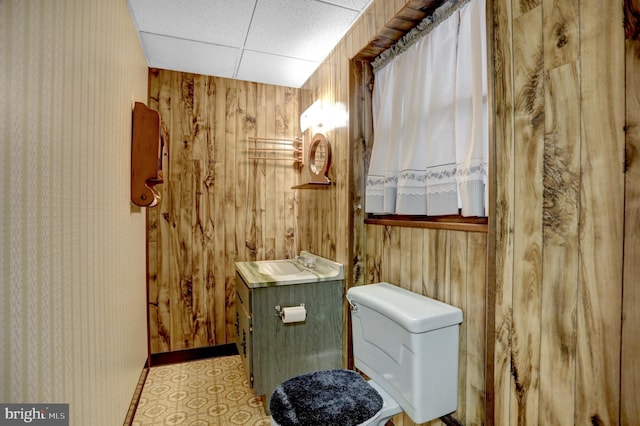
x,y
630,362
558,92
326,217
501,210
331,221
548,351
445,265
527,272
601,237
218,206
560,207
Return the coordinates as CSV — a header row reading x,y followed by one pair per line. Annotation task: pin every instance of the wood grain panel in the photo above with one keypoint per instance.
x,y
449,266
527,271
560,213
558,285
218,206
417,277
476,351
601,237
555,277
430,262
327,216
560,275
217,116
630,363
456,295
199,215
360,140
231,173
499,396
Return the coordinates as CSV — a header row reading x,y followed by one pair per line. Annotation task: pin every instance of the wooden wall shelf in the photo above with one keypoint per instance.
x,y
312,185
318,164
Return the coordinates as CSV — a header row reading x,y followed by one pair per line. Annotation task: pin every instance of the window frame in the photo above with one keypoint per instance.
x,y
449,222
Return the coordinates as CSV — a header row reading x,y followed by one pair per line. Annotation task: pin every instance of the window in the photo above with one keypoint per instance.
x,y
430,148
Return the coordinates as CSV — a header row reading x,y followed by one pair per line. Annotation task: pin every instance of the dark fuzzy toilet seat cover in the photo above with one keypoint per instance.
x,y
328,398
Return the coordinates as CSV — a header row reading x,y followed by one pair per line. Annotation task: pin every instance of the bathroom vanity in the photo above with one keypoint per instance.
x,y
273,349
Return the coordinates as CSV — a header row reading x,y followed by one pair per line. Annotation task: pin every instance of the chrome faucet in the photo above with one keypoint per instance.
x,y
306,260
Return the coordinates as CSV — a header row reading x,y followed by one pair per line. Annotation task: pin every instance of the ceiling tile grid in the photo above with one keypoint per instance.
x,y
189,56
278,42
272,69
217,22
302,29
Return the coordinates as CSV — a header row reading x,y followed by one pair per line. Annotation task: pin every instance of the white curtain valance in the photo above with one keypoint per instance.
x,y
430,119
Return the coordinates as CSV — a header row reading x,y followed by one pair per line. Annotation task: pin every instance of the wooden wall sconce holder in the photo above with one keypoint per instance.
x,y
147,149
318,164
319,160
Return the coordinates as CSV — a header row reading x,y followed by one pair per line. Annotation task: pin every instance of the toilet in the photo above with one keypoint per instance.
x,y
406,343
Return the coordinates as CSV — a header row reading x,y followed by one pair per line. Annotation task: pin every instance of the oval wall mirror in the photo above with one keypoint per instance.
x,y
319,159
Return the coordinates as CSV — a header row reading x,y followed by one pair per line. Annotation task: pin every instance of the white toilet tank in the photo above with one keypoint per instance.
x,y
408,344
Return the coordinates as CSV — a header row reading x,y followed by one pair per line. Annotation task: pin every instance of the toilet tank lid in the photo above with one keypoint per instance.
x,y
413,311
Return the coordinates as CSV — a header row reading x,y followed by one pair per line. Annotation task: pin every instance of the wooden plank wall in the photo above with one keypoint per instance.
x,y
447,265
554,350
218,206
630,404
327,216
559,100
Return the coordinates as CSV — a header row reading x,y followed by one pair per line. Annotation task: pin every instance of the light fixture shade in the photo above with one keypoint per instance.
x,y
311,117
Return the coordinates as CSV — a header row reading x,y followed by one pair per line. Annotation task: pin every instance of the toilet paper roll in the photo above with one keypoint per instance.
x,y
294,314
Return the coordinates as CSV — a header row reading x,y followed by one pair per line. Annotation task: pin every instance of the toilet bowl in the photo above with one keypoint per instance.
x,y
346,399
405,342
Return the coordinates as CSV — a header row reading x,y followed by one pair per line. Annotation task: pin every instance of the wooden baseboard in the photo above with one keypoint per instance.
x,y
136,396
166,358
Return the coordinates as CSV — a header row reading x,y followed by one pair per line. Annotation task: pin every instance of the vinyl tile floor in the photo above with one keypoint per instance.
x,y
208,392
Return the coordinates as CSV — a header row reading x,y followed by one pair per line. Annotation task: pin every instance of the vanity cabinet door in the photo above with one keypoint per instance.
x,y
281,351
244,330
273,351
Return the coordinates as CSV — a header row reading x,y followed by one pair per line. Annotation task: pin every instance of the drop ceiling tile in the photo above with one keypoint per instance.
x,y
189,56
351,4
274,69
222,22
208,36
303,29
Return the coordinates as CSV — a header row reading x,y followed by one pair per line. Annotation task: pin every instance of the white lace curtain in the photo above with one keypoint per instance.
x,y
430,150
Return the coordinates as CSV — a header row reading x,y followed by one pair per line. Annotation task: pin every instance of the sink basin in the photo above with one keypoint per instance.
x,y
278,268
288,271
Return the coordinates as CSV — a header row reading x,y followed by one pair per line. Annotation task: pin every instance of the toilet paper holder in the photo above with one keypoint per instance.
x,y
280,312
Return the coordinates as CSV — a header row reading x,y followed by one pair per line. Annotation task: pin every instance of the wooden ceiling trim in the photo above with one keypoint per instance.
x,y
407,18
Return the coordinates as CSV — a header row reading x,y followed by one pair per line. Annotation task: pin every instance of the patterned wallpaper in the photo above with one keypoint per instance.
x,y
72,259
